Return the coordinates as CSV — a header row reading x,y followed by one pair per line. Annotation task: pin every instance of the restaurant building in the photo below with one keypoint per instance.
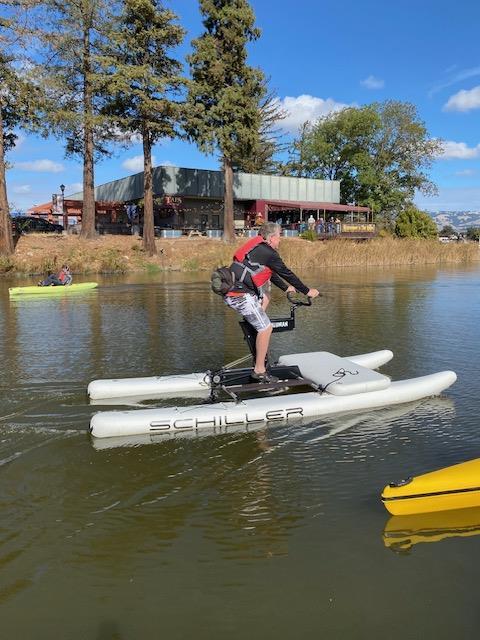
x,y
189,200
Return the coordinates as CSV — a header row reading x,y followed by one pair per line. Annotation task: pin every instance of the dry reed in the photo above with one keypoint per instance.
x,y
38,254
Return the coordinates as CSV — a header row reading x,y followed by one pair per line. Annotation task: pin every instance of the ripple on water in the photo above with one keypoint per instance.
x,y
130,524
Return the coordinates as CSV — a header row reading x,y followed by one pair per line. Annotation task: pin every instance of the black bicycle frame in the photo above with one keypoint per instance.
x,y
279,325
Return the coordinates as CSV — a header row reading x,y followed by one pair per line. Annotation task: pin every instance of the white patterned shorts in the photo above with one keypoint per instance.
x,y
250,308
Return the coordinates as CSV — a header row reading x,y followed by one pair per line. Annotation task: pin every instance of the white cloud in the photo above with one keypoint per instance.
x,y
136,163
373,83
464,100
24,188
457,77
466,172
306,107
459,150
45,166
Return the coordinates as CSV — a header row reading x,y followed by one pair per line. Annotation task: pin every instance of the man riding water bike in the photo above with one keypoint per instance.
x,y
255,264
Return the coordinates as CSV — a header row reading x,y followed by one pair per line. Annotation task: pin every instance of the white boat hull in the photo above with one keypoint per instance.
x,y
290,407
192,383
381,419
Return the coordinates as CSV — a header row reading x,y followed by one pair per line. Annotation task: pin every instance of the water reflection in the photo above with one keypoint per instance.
x,y
402,533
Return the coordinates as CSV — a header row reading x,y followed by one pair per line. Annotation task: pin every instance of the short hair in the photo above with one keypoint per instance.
x,y
269,229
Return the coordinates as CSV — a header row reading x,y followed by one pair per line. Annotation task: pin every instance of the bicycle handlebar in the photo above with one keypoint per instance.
x,y
298,303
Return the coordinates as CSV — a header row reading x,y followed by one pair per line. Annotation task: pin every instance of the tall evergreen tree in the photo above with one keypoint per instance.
x,y
6,124
72,33
143,79
224,92
261,159
18,101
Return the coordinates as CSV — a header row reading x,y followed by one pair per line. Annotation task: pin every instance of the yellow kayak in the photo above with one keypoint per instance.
x,y
401,533
455,487
35,290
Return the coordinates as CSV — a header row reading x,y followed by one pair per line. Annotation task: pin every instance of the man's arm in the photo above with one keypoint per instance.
x,y
281,270
278,282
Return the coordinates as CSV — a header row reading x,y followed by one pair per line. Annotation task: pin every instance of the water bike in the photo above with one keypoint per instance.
x,y
335,385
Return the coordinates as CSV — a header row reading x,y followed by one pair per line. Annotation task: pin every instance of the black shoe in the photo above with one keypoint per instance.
x,y
263,378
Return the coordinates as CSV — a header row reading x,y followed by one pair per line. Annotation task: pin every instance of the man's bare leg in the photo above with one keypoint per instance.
x,y
261,346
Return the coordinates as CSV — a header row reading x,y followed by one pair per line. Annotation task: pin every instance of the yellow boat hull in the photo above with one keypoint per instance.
x,y
455,487
60,290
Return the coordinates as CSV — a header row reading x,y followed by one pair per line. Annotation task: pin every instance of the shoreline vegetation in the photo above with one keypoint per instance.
x,y
40,254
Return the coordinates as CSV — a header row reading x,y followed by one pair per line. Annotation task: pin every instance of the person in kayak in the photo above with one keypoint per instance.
x,y
255,264
60,279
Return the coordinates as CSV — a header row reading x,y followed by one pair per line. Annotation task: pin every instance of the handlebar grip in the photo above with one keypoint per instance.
x,y
298,303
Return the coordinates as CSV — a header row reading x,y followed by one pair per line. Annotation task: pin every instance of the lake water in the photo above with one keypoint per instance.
x,y
273,533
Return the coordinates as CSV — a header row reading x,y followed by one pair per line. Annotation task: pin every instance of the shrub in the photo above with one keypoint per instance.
x,y
413,223
309,235
191,264
473,233
49,265
151,267
112,261
384,233
6,264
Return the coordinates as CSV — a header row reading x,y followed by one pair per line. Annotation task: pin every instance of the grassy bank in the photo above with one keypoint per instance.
x,y
38,254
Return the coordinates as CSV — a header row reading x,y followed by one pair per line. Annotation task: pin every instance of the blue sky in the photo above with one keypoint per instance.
x,y
320,55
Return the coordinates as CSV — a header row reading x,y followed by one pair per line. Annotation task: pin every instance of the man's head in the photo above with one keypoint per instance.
x,y
270,232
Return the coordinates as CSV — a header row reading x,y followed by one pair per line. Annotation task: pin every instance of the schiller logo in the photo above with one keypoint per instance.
x,y
184,424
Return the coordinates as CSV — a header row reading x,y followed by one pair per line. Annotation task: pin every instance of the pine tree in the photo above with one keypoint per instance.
x,y
143,80
261,158
223,100
71,34
6,125
19,100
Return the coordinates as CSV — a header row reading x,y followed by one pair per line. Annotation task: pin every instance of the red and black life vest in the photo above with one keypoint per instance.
x,y
258,274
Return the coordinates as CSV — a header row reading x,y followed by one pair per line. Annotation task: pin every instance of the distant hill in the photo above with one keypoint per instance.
x,y
459,220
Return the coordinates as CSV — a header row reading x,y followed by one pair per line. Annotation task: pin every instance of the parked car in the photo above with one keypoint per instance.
x,y
29,224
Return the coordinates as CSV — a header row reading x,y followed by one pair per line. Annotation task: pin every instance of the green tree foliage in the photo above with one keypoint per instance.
x,y
413,223
448,230
473,233
19,101
224,93
380,152
143,79
71,34
261,159
8,120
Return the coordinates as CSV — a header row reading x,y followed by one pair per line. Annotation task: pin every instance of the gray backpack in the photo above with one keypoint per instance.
x,y
222,281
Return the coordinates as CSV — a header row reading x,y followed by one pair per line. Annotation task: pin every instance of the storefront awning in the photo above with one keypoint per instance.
x,y
263,206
